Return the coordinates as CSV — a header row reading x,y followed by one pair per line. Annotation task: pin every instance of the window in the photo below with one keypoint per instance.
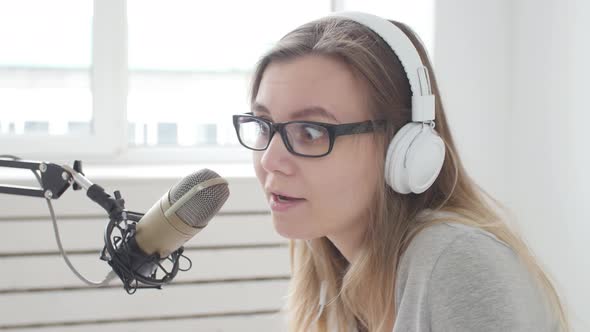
x,y
60,83
190,64
142,80
45,68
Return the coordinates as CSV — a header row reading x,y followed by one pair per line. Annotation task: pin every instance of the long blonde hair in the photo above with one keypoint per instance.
x,y
362,292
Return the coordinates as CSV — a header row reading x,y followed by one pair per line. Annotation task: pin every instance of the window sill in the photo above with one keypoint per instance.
x,y
96,172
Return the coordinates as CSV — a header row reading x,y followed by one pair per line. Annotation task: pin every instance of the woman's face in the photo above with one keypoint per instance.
x,y
332,192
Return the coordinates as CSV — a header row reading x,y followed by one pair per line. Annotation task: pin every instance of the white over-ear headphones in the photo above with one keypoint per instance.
x,y
416,154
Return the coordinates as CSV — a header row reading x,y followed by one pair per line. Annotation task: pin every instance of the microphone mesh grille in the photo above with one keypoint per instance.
x,y
201,207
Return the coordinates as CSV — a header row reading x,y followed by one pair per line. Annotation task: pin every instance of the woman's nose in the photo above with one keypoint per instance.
x,y
276,157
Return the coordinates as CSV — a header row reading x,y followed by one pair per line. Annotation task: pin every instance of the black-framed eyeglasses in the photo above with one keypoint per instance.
x,y
302,138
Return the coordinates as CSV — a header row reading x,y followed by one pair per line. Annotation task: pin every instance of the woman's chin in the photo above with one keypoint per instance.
x,y
293,230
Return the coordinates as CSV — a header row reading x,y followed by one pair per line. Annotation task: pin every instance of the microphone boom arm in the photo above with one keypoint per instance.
x,y
120,250
55,180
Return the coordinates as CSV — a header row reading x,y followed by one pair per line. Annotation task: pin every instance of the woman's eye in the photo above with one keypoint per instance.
x,y
312,133
263,129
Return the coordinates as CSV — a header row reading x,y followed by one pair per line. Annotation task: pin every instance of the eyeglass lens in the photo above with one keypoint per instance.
x,y
304,138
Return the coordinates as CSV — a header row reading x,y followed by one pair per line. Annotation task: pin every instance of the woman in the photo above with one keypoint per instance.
x,y
388,232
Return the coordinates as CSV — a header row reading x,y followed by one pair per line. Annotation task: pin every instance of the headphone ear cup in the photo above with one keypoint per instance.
x,y
424,160
414,159
393,157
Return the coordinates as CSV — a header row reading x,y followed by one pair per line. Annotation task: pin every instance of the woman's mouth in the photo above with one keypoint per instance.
x,y
281,203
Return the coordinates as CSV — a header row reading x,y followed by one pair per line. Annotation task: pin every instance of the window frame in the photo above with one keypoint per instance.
x,y
109,82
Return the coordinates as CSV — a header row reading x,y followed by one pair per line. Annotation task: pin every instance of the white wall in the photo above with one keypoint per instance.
x,y
549,157
579,179
473,66
514,76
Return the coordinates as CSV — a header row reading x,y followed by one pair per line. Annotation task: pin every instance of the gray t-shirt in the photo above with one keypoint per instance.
x,y
459,278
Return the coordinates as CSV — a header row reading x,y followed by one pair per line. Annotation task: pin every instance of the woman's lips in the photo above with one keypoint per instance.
x,y
278,203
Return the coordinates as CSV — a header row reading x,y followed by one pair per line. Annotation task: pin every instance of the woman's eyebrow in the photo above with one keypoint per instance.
x,y
313,111
298,114
256,107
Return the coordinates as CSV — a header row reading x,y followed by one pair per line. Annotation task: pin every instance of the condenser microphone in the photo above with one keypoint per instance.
x,y
181,213
135,250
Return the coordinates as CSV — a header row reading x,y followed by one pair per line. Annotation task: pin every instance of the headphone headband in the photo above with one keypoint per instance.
x,y
401,45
